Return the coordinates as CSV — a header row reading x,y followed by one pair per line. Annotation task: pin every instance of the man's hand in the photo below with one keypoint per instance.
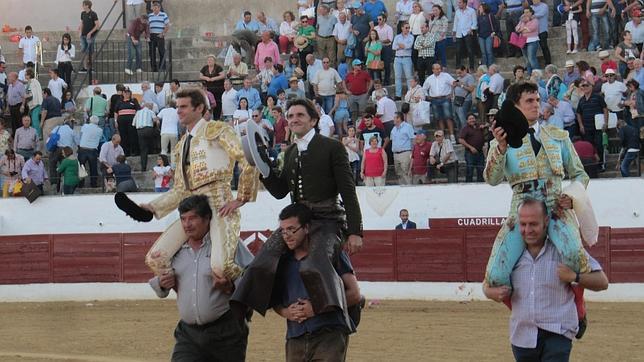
x,y
222,283
473,150
498,294
28,180
230,207
305,308
582,130
566,274
501,137
565,202
167,280
353,244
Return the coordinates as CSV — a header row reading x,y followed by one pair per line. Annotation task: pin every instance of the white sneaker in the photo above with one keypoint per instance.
x,y
574,51
128,71
139,70
568,51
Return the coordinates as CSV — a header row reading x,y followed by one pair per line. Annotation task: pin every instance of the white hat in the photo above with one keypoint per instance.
x,y
603,54
610,71
570,63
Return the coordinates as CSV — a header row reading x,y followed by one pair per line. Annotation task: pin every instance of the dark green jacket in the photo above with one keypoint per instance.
x,y
69,168
325,174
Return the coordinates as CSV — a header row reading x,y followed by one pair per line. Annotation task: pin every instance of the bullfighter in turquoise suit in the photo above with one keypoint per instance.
x,y
536,175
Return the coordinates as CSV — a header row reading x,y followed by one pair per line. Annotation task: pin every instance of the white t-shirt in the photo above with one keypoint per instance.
x,y
636,31
496,83
229,102
438,86
613,94
164,171
326,81
56,88
325,125
28,46
387,108
169,121
242,115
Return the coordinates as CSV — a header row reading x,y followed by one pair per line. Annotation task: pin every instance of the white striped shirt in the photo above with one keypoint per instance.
x,y
540,300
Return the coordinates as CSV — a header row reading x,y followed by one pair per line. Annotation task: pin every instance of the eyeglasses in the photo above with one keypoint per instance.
x,y
255,115
290,231
325,62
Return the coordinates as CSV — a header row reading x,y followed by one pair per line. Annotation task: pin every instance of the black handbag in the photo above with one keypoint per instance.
x,y
30,191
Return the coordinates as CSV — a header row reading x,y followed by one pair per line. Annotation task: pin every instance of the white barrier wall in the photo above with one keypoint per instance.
x,y
617,203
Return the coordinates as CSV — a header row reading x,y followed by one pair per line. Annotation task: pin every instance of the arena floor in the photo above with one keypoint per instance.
x,y
390,331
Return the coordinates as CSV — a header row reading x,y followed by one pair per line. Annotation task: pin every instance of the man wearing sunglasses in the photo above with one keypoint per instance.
x,y
591,104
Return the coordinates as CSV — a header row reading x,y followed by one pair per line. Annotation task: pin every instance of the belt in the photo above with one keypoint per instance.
x,y
403,56
87,149
224,316
25,149
402,151
439,97
325,37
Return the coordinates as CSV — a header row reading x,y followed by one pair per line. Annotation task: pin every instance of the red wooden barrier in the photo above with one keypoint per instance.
x,y
445,253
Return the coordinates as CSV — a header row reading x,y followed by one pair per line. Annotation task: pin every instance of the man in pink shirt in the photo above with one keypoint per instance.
x,y
266,48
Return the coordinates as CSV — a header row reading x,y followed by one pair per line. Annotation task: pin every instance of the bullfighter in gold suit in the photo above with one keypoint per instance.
x,y
205,157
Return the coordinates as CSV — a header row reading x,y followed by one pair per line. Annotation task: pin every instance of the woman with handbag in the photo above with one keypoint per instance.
x,y
415,95
488,31
69,169
528,31
438,26
33,100
373,49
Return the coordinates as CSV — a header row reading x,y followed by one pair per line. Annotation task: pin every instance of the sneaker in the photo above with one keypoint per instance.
x,y
583,324
139,70
128,71
568,51
574,51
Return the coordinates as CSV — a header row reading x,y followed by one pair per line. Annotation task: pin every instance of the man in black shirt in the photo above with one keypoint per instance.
x,y
50,107
591,104
88,27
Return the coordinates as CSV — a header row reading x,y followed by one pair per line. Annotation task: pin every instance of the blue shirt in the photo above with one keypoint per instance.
x,y
66,136
343,69
541,13
90,136
374,9
493,4
277,83
252,95
408,41
158,22
291,288
252,26
402,137
639,77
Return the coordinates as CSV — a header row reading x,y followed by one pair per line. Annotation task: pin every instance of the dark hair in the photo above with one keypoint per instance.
x,y
242,99
197,203
30,73
517,67
583,66
277,108
279,67
529,201
67,151
308,105
30,64
28,27
62,41
54,70
164,159
247,13
158,84
531,10
268,59
515,91
486,8
377,36
301,212
38,153
399,115
196,98
176,82
272,97
470,114
440,9
120,87
87,3
633,83
121,159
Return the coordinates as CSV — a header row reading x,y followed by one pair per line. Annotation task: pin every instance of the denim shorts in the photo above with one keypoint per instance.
x,y
87,45
441,108
341,115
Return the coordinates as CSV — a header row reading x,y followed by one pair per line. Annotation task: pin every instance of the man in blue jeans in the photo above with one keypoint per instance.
x,y
630,141
88,29
137,28
402,46
472,137
597,11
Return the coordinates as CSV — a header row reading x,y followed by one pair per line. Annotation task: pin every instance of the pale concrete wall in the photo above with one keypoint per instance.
x,y
218,16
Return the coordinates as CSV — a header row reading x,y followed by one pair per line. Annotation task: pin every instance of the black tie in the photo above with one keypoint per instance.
x,y
185,158
536,145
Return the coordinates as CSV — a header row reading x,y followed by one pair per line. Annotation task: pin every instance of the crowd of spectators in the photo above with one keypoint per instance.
x,y
343,56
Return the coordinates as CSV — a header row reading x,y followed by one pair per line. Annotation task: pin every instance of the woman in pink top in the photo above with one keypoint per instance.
x,y
374,164
529,28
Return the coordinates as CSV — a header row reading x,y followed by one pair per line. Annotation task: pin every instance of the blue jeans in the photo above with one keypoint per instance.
x,y
626,162
530,55
87,44
595,19
474,162
441,109
136,49
461,112
441,52
402,67
327,103
551,347
486,50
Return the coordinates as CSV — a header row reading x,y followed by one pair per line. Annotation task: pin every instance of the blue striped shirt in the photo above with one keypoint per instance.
x,y
158,22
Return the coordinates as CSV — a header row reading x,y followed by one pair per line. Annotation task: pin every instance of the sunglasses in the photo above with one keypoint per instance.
x,y
255,116
585,85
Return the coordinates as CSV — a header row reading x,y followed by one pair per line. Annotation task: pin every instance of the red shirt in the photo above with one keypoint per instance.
x,y
358,83
374,165
419,158
585,149
609,65
280,131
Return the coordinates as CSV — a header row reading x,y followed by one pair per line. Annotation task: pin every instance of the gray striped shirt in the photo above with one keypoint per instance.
x,y
540,299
